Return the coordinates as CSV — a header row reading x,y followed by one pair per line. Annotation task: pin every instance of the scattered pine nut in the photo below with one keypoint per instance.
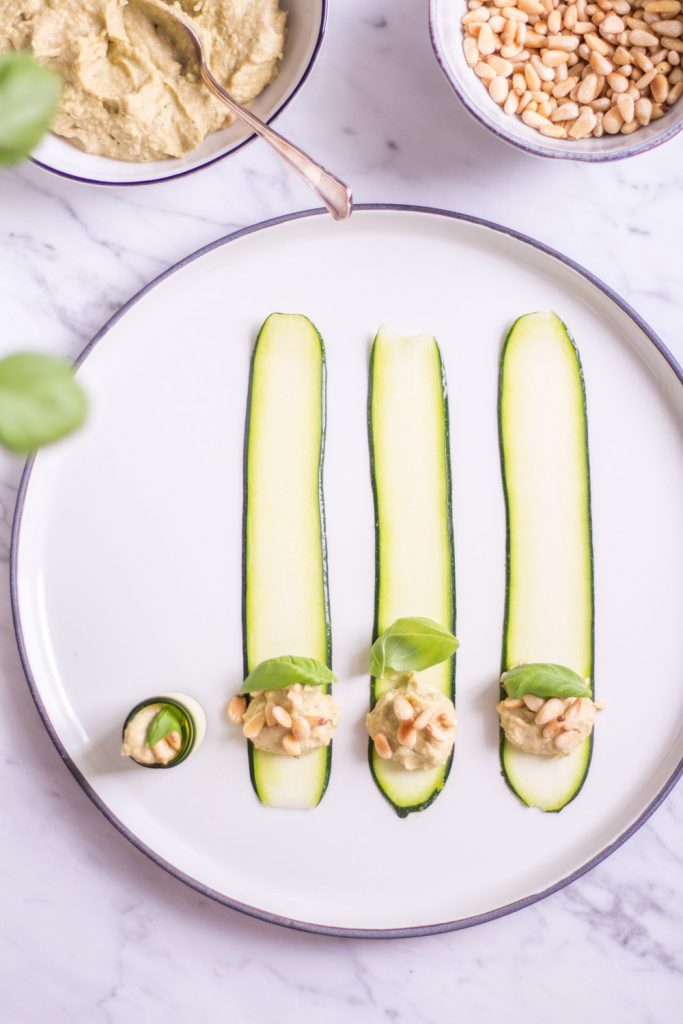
x,y
236,709
382,746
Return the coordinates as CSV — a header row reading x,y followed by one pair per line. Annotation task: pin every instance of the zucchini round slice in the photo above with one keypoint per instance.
x,y
549,598
414,571
285,600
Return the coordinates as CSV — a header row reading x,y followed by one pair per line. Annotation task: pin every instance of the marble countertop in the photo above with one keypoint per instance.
x,y
91,930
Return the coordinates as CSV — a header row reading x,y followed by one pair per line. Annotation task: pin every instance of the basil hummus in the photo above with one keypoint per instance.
x,y
129,90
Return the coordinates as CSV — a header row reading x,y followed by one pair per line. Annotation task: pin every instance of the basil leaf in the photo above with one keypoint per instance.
x,y
168,719
285,671
411,644
29,97
544,681
40,401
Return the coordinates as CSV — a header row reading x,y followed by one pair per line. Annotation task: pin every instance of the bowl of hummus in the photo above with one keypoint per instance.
x,y
133,109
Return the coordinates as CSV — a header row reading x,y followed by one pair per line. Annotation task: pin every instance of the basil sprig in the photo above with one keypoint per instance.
x,y
29,96
275,673
411,644
168,719
544,680
40,401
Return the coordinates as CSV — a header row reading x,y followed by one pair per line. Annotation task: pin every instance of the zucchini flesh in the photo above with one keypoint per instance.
x,y
549,602
285,599
410,464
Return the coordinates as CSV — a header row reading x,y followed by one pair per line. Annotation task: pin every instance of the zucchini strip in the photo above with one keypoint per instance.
x,y
414,568
549,597
285,597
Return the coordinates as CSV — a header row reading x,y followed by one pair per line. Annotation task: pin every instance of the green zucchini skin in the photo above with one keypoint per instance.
x,y
402,806
569,789
309,776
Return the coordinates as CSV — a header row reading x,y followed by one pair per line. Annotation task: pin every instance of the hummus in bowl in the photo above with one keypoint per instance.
x,y
132,111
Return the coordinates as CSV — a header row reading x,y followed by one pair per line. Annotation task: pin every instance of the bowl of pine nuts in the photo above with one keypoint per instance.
x,y
589,80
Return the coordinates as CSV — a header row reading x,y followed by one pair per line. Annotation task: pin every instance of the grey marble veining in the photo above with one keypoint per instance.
x,y
92,932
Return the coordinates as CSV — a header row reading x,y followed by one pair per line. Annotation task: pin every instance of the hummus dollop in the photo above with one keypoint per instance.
x,y
413,725
293,721
129,90
550,729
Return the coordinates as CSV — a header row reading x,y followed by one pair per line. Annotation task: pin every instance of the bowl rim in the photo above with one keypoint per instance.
x,y
324,8
534,148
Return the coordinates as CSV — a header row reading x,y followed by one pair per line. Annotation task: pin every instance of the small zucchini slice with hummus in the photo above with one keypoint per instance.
x,y
161,732
414,567
285,599
549,606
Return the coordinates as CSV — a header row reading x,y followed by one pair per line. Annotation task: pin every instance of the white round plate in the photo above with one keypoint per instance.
x,y
305,30
126,570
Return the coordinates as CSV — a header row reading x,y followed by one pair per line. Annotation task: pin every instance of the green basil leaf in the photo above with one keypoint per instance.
x,y
411,644
40,401
168,719
29,97
543,680
285,671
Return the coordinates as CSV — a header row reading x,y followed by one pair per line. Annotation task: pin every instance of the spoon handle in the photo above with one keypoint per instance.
x,y
334,194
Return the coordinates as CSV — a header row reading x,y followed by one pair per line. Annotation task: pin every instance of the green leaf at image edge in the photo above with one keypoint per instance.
x,y
29,98
544,680
287,670
410,645
40,401
168,719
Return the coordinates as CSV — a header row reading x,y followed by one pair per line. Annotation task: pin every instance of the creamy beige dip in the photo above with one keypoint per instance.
x,y
424,737
311,717
130,91
520,727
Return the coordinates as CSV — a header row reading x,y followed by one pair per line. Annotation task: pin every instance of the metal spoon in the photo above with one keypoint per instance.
x,y
332,192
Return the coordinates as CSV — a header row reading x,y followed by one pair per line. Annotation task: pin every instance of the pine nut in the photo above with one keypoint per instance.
x,y
621,56
645,80
565,112
511,103
301,730
407,734
533,702
500,66
612,25
553,58
295,699
163,751
424,718
291,745
612,121
638,37
532,79
551,708
403,709
382,747
485,40
471,51
659,88
481,14
595,43
433,730
643,108
600,64
254,725
270,717
617,82
662,7
626,107
553,131
668,28
282,717
566,741
588,89
674,93
568,42
552,729
236,709
554,22
497,24
563,89
509,32
174,740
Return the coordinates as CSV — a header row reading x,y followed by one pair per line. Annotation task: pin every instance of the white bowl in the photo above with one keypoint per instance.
x,y
446,31
305,29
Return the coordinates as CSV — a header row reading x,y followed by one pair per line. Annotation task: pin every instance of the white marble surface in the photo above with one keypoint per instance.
x,y
92,931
